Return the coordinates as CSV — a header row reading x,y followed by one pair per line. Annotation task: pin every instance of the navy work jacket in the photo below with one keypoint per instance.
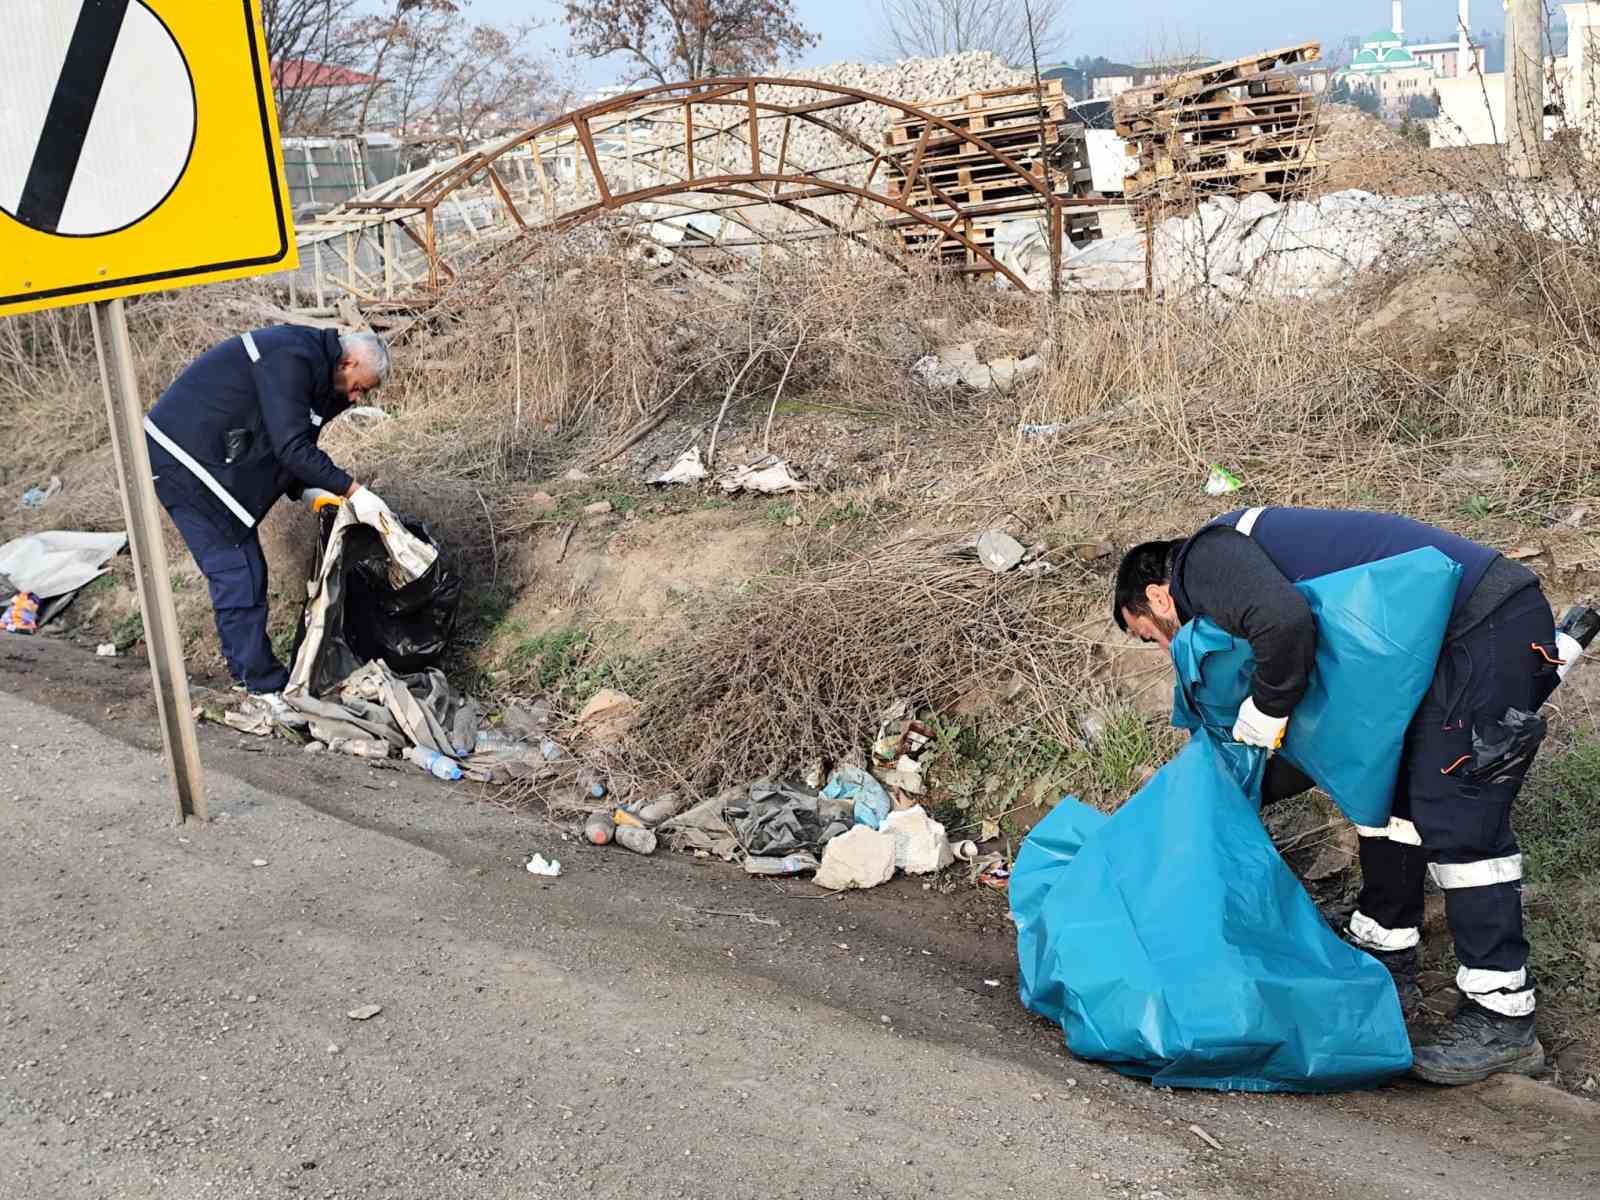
x,y
239,427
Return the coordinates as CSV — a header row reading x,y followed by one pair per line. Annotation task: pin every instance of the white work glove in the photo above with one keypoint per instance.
x,y
1255,728
370,508
317,499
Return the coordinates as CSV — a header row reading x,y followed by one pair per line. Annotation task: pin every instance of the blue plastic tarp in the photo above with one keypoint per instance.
x,y
1170,939
1379,629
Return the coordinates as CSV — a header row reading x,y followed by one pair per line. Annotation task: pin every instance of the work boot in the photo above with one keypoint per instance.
x,y
1402,968
1476,1044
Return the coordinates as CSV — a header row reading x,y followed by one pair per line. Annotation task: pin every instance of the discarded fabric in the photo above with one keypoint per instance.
x,y
871,802
773,819
687,469
770,476
57,563
959,365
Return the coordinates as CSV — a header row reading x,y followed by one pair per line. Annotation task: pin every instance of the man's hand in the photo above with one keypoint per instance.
x,y
368,506
317,499
1255,728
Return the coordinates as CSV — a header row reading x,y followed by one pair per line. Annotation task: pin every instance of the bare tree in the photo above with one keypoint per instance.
x,y
926,28
417,29
306,31
672,40
494,82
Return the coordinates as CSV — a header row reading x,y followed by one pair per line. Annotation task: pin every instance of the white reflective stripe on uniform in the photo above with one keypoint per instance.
x,y
199,472
315,419
250,347
1504,992
1374,936
1479,874
1397,830
1247,522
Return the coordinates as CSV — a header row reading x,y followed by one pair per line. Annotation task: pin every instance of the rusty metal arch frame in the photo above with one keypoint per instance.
x,y
739,93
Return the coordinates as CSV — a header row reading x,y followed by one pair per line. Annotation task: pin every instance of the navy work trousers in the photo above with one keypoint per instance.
x,y
1452,814
237,577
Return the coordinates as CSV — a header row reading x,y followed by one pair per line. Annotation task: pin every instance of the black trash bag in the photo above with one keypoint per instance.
x,y
774,818
409,628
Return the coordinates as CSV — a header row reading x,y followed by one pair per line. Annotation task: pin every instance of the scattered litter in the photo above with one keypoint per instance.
x,y
441,766
991,983
623,819
258,862
22,615
662,808
871,802
1205,1137
789,864
106,650
58,563
999,551
964,851
1041,430
253,716
687,469
704,829
314,747
920,844
640,841
365,1013
905,777
539,865
1091,551
862,858
334,1047
609,716
38,497
770,476
1222,481
1574,516
1519,553
550,750
776,819
997,877
599,508
599,829
950,366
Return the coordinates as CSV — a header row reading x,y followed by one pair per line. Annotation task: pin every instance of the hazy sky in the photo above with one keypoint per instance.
x,y
1118,29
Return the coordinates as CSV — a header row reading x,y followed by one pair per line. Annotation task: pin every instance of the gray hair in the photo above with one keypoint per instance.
x,y
367,348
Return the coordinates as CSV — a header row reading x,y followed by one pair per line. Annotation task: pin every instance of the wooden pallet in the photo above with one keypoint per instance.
x,y
1254,71
978,111
1219,114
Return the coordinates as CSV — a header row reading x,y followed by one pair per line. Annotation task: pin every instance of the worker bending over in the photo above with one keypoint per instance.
x,y
1452,813
234,432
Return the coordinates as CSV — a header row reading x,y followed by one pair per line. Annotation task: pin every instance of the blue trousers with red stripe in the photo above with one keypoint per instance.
x,y
236,574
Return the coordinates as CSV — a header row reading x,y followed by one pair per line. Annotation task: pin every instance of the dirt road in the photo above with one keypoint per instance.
x,y
173,1009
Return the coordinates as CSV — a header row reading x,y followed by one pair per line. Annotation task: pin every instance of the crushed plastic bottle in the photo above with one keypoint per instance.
x,y
442,766
550,749
600,829
489,741
637,839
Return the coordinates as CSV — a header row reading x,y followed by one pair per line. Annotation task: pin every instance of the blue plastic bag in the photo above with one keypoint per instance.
x,y
1379,629
1171,940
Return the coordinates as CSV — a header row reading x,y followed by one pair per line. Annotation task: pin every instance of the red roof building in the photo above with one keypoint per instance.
x,y
295,73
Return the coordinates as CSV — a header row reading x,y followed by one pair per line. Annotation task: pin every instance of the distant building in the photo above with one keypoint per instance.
x,y
333,93
1109,80
1398,71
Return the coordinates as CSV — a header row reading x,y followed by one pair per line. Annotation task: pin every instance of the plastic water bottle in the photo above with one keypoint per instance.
x,y
442,766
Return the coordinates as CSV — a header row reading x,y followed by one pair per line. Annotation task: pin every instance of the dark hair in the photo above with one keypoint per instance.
x,y
1147,563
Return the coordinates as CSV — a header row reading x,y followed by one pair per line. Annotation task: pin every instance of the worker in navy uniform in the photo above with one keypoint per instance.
x,y
1465,754
237,430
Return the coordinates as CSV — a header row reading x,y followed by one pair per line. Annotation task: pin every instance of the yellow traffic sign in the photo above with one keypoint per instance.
x,y
138,150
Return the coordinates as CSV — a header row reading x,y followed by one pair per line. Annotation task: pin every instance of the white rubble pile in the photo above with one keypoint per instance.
x,y
1261,247
862,858
920,844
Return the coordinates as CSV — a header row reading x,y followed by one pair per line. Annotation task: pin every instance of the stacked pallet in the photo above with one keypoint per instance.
x,y
1236,127
951,179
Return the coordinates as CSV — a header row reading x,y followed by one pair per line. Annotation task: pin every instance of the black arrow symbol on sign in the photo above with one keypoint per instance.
x,y
66,124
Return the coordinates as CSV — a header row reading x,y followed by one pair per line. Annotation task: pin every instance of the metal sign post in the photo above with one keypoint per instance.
x,y
138,152
142,513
